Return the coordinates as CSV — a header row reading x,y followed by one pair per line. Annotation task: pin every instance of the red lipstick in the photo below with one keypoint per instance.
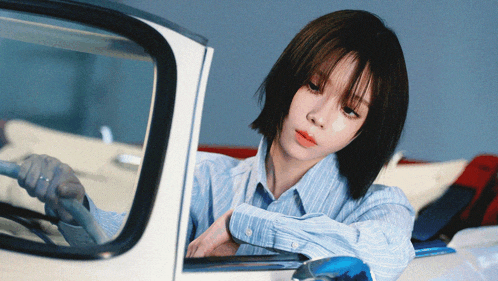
x,y
304,139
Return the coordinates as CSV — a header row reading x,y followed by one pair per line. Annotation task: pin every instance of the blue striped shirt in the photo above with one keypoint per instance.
x,y
316,217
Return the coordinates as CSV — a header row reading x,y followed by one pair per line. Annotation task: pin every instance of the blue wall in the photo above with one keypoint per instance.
x,y
451,50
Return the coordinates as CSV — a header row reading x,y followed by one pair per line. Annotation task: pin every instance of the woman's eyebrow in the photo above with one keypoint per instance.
x,y
356,97
357,101
359,98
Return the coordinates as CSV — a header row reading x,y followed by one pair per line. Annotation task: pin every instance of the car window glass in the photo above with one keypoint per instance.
x,y
80,95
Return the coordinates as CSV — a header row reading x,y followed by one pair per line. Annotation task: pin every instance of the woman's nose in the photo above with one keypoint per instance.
x,y
316,120
322,115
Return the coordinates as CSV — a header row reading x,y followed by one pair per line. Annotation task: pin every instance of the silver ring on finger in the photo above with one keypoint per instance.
x,y
45,179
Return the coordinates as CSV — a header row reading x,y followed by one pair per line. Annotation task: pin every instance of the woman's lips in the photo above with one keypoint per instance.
x,y
304,139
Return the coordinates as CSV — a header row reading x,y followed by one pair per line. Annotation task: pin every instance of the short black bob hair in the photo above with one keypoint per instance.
x,y
319,46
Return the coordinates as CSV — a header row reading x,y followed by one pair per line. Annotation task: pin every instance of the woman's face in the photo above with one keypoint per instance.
x,y
318,124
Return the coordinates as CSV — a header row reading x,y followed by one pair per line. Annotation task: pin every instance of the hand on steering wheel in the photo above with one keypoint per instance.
x,y
55,184
50,180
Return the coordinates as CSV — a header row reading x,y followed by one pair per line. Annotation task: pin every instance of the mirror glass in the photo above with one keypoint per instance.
x,y
80,95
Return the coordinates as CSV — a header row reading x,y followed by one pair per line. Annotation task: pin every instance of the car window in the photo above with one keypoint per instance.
x,y
76,93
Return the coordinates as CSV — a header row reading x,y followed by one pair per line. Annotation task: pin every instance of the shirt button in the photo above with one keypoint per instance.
x,y
294,245
248,232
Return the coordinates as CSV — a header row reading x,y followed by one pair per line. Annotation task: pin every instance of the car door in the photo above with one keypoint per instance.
x,y
119,99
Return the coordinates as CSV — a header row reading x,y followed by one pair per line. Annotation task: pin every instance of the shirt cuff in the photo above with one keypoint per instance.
x,y
110,222
253,225
270,230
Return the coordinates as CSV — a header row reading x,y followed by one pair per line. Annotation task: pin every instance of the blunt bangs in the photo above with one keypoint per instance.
x,y
358,84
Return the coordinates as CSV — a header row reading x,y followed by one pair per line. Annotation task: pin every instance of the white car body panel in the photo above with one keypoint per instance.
x,y
476,258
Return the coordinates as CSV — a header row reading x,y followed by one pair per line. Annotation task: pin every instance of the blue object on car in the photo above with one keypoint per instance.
x,y
334,268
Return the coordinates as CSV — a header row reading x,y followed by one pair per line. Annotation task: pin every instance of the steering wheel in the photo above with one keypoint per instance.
x,y
75,208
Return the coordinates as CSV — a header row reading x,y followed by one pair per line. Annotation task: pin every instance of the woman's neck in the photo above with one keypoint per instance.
x,y
284,171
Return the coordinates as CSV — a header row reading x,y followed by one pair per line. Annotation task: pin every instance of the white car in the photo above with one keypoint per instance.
x,y
118,95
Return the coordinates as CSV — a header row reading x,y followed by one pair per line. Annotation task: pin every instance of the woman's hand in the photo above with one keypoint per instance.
x,y
215,241
48,179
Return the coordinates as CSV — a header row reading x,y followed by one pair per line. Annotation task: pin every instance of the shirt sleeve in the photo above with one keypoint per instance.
x,y
110,222
379,235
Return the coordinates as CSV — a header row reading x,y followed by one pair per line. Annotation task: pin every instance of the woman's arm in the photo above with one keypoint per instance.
x,y
384,246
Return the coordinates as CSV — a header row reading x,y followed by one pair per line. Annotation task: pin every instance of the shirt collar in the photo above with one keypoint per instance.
x,y
313,188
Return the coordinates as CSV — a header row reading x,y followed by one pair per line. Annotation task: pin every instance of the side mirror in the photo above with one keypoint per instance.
x,y
336,268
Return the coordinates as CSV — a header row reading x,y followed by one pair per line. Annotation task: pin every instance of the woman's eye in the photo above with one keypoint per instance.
x,y
313,87
350,113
